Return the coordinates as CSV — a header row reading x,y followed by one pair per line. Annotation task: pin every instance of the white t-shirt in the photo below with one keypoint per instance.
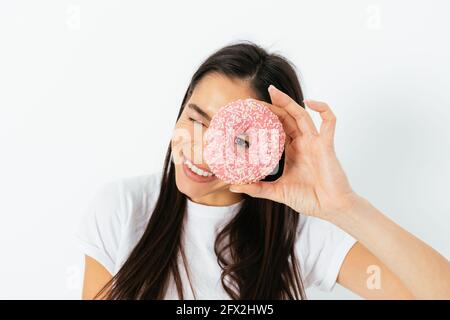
x,y
118,213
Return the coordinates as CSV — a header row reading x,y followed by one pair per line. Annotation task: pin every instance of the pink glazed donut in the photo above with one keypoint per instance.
x,y
244,142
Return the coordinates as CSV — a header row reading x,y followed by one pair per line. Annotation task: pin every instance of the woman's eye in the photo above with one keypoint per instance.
x,y
241,142
193,120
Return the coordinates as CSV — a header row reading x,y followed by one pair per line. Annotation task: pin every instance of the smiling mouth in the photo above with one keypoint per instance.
x,y
197,170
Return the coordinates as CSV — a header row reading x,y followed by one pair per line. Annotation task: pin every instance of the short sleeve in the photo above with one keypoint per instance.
x,y
321,248
99,231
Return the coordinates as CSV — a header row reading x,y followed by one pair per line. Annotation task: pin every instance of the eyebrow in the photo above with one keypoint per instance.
x,y
199,110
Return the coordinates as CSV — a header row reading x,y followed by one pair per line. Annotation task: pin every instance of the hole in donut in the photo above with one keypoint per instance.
x,y
242,140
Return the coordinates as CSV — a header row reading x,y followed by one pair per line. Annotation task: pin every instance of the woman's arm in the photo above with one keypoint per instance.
x,y
314,183
95,277
421,270
365,274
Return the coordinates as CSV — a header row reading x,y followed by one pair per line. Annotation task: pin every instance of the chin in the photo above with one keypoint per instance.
x,y
189,188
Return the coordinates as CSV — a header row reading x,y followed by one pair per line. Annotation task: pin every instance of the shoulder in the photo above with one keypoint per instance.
x,y
314,231
125,195
321,248
115,214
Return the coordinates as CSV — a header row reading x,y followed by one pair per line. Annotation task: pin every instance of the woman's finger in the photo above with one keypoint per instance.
x,y
261,189
288,122
328,126
302,118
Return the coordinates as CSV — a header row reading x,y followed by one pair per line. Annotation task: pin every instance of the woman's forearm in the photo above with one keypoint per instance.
x,y
422,270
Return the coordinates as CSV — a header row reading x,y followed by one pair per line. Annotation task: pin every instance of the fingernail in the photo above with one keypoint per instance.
x,y
233,189
272,88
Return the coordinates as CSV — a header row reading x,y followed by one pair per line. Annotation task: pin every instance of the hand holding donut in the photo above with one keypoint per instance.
x,y
313,181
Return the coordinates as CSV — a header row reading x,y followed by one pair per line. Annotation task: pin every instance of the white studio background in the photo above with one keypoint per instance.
x,y
89,92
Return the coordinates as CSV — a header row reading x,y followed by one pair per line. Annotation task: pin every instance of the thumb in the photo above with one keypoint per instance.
x,y
256,190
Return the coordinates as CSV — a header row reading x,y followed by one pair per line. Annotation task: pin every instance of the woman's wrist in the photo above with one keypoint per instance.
x,y
350,213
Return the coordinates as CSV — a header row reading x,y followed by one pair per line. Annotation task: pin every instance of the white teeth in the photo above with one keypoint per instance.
x,y
196,169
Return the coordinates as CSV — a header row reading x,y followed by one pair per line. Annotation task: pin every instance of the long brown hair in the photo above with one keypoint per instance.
x,y
256,249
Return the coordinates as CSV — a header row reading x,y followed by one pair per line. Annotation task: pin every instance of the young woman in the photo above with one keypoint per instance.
x,y
184,234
